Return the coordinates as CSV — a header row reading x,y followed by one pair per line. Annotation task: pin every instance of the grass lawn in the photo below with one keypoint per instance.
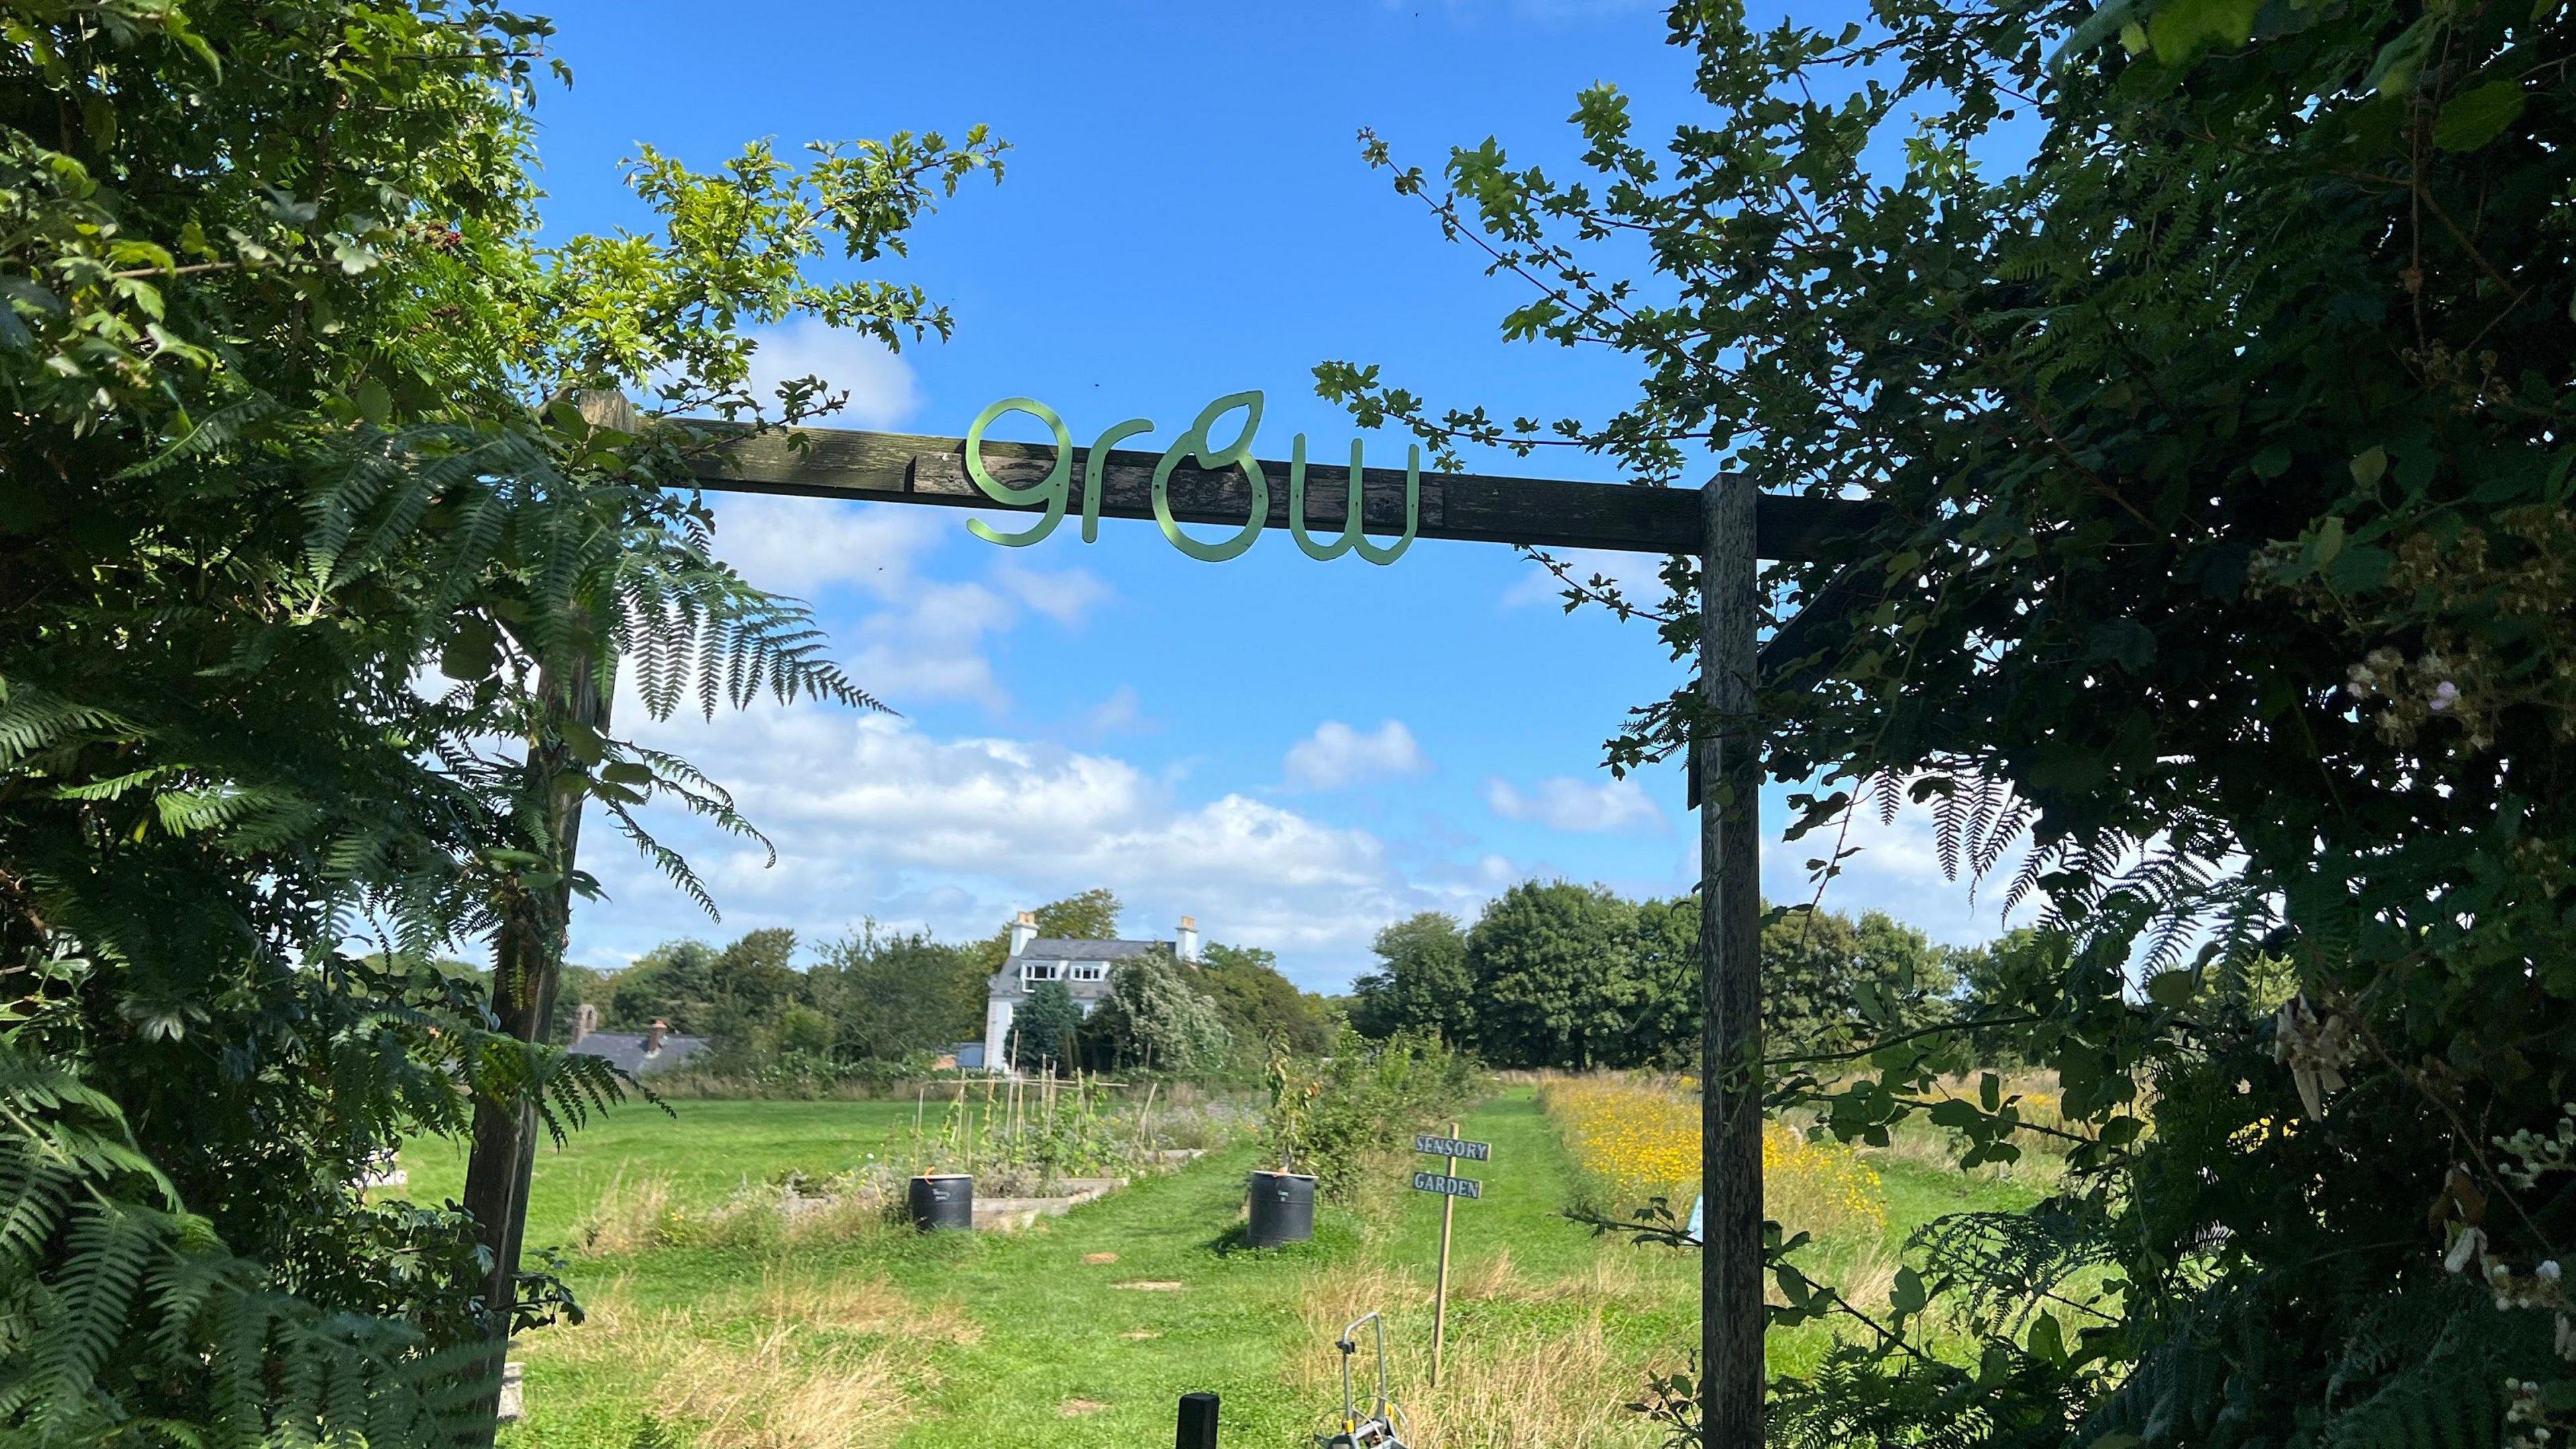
x,y
708,1152
1085,1331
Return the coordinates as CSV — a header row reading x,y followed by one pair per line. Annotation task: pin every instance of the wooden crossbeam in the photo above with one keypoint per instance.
x,y
1539,512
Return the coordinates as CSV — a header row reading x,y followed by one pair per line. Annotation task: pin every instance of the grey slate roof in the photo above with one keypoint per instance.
x,y
1058,948
625,1050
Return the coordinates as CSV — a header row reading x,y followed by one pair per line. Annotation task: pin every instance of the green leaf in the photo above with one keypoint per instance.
x,y
2329,541
2112,17
2181,27
470,652
2046,1339
2124,642
374,403
2272,462
2369,467
2473,118
1908,1295
2393,72
2171,989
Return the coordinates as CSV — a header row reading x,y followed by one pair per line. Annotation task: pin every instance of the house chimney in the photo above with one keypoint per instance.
x,y
585,1020
1188,946
1023,931
653,1038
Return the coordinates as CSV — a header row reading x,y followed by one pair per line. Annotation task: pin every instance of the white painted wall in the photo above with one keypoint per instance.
x,y
997,1033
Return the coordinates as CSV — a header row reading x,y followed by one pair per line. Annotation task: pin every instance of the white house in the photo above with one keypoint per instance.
x,y
1083,967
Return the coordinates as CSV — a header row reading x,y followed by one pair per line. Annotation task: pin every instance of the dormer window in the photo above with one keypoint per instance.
x,y
1033,972
1091,971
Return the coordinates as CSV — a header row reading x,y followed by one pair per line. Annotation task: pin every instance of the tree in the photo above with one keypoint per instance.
x,y
2215,605
1554,968
893,995
675,982
1152,1018
309,519
1829,981
1666,950
1043,1029
752,985
1257,1005
1090,916
1423,984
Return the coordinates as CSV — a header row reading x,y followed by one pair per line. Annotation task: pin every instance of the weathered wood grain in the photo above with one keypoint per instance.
x,y
1539,512
1729,761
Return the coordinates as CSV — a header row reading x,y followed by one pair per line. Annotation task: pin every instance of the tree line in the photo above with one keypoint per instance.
x,y
1554,974
884,1002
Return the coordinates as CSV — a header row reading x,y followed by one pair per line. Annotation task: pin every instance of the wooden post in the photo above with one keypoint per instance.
x,y
1730,1272
527,967
1440,1293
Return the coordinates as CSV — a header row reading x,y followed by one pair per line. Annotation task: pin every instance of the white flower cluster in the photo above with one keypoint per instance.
x,y
2535,1154
2414,694
2316,1050
2540,1288
2526,1415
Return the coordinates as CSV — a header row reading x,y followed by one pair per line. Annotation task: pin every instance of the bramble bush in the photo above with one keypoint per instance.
x,y
2208,363
1347,1117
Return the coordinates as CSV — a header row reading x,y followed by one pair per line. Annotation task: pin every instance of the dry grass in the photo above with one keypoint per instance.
x,y
637,1213
1526,1386
629,1214
791,1364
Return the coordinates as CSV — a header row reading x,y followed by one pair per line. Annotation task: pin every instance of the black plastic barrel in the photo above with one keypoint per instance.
x,y
1283,1209
943,1201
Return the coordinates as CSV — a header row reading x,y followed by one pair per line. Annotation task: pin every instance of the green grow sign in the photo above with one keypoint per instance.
x,y
1055,490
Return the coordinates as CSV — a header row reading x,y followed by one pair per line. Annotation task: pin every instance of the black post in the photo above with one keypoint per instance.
x,y
1198,1422
1730,780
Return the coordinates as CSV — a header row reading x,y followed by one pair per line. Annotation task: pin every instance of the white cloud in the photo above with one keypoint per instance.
x,y
801,546
1123,712
1064,595
1639,576
931,647
927,640
882,390
1336,755
875,818
1564,803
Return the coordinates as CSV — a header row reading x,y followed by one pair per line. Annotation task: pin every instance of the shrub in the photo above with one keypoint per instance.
x,y
1335,1117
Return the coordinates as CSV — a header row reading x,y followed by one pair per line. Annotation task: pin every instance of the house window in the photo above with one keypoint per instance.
x,y
1036,971
1090,971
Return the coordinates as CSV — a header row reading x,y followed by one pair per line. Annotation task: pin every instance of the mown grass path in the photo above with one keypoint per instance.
x,y
1005,1341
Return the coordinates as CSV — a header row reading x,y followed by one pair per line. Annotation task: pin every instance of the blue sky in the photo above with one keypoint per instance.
x,y
1296,753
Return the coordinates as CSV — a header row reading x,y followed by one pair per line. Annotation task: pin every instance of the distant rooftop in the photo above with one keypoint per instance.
x,y
1061,948
625,1050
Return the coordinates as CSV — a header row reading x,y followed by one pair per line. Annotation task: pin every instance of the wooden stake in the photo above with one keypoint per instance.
x,y
1440,1293
1730,781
